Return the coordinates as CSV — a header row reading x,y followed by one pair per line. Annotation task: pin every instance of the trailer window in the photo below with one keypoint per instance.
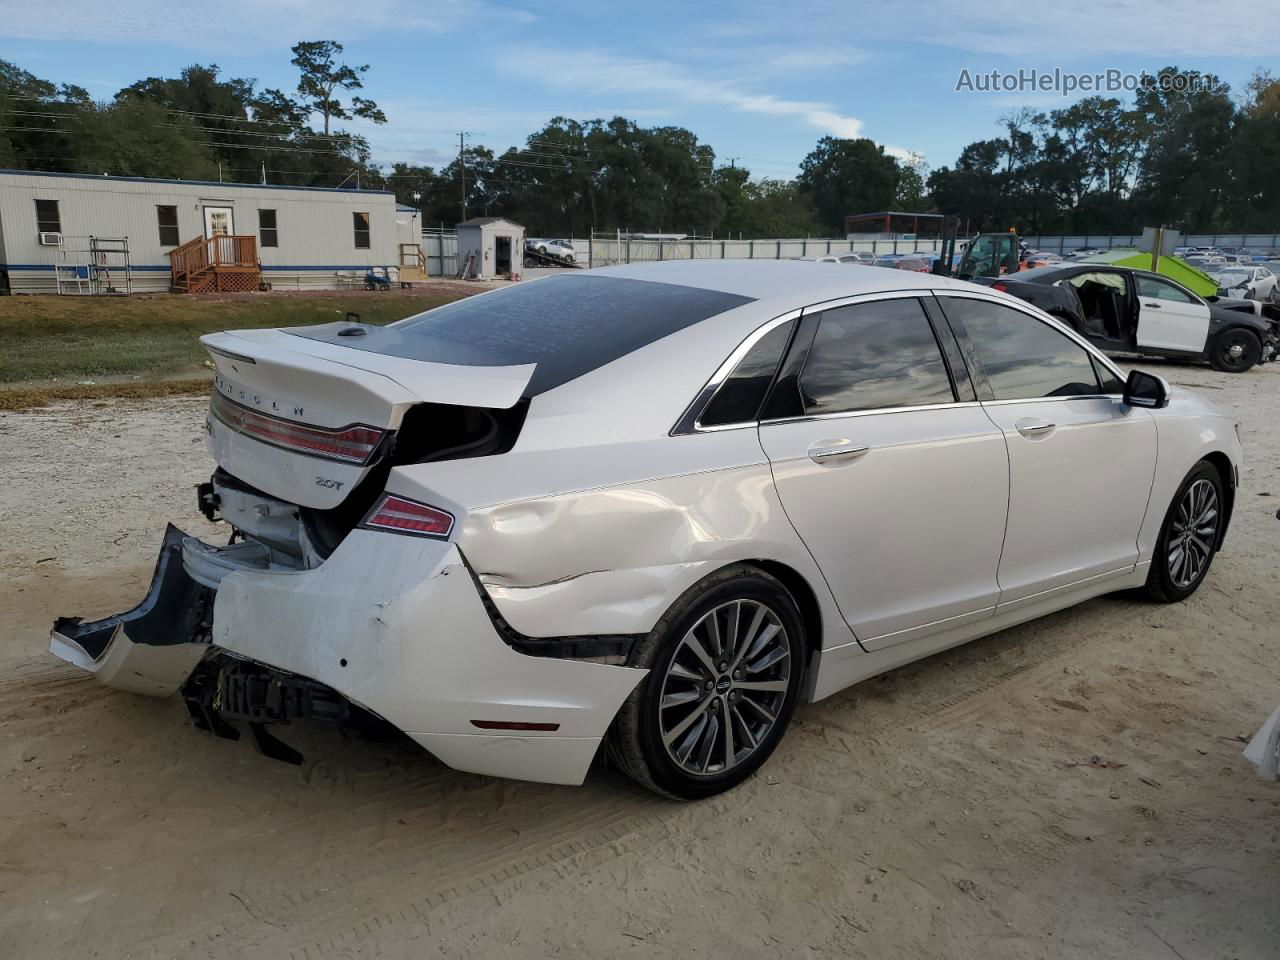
x,y
47,218
167,219
362,230
267,235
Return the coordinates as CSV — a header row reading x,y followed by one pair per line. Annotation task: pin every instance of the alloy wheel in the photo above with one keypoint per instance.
x,y
1192,533
724,687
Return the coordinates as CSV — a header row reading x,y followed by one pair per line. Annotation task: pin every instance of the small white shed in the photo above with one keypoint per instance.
x,y
490,247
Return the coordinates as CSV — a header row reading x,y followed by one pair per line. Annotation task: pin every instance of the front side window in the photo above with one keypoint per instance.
x,y
1024,358
1161,290
362,230
167,220
874,355
47,218
267,235
739,397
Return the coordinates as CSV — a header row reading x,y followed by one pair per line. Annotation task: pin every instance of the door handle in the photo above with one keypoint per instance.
x,y
1034,428
1153,306
827,451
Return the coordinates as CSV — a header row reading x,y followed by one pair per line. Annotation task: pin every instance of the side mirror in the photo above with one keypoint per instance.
x,y
1146,390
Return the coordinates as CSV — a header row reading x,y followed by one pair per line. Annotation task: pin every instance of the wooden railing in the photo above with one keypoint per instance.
x,y
208,253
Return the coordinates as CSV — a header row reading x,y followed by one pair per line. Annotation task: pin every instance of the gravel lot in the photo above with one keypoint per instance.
x,y
950,809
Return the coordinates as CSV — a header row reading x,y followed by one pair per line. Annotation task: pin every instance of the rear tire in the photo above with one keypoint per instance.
x,y
1188,537
709,714
1235,350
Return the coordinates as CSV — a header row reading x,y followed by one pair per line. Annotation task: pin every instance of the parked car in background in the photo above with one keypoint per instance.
x,y
560,249
845,258
1245,282
1128,311
650,509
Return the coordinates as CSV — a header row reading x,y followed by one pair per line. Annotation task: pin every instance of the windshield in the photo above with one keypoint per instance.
x,y
1233,277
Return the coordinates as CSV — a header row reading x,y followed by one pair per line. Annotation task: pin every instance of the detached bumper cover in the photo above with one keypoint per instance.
x,y
394,624
152,648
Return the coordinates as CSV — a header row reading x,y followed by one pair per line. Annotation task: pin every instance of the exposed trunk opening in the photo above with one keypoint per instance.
x,y
305,536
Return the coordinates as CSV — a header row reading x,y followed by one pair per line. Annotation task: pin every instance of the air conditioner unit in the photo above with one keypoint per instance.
x,y
50,239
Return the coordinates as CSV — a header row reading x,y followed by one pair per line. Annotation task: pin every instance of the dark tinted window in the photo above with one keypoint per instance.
x,y
568,325
739,397
362,230
267,235
47,219
167,219
873,355
1022,356
1110,382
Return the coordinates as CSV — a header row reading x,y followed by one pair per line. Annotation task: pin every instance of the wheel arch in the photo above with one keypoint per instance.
x,y
1226,472
810,614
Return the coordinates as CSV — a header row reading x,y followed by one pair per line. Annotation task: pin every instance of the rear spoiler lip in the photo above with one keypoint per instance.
x,y
498,388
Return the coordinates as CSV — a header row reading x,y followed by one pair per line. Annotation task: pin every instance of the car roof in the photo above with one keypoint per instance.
x,y
801,282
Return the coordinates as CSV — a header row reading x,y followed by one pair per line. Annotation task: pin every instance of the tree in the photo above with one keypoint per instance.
x,y
910,195
322,77
848,176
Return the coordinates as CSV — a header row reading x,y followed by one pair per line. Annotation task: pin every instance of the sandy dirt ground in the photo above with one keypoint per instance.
x,y
949,810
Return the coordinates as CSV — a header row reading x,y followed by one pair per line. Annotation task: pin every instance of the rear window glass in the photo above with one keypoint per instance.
x,y
567,325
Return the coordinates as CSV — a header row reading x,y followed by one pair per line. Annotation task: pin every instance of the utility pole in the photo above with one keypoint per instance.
x,y
462,164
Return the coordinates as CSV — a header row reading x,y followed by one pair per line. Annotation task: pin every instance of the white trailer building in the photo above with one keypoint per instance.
x,y
76,233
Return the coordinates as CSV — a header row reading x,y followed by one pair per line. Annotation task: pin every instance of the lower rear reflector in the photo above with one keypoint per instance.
x,y
513,725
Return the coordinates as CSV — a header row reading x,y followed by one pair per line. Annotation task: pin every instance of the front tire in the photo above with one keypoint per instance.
x,y
1189,536
1235,350
725,666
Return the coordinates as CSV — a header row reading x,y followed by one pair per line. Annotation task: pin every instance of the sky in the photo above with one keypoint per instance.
x,y
759,81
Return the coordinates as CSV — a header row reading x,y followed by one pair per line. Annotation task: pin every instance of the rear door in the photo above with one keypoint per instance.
x,y
891,473
1081,461
1169,317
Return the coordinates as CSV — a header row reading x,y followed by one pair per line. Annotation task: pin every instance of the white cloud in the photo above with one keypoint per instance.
x,y
1020,32
599,72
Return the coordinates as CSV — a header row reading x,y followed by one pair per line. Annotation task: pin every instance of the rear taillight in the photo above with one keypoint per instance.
x,y
353,444
400,515
999,286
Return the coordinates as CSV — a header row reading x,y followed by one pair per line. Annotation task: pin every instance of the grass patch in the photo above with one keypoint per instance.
x,y
49,338
25,398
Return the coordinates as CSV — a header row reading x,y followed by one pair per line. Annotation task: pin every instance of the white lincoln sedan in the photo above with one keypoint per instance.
x,y
644,512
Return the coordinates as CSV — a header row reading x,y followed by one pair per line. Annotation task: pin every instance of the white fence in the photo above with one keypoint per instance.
x,y
441,247
1066,244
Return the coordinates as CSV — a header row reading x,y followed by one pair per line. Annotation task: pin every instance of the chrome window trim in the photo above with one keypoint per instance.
x,y
688,422
1033,311
842,414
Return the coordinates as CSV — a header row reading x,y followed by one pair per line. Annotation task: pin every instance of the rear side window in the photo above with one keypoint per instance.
x,y
1023,358
568,325
739,397
874,355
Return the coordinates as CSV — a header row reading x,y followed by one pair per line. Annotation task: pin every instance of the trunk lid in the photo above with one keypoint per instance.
x,y
305,420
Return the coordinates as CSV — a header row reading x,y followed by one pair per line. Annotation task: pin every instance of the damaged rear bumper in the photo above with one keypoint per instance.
x,y
152,648
392,624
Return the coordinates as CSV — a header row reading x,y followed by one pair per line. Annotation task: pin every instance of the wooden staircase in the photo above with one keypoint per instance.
x,y
218,264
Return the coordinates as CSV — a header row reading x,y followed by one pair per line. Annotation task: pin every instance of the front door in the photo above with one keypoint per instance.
x,y
1169,317
898,490
1081,462
218,222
